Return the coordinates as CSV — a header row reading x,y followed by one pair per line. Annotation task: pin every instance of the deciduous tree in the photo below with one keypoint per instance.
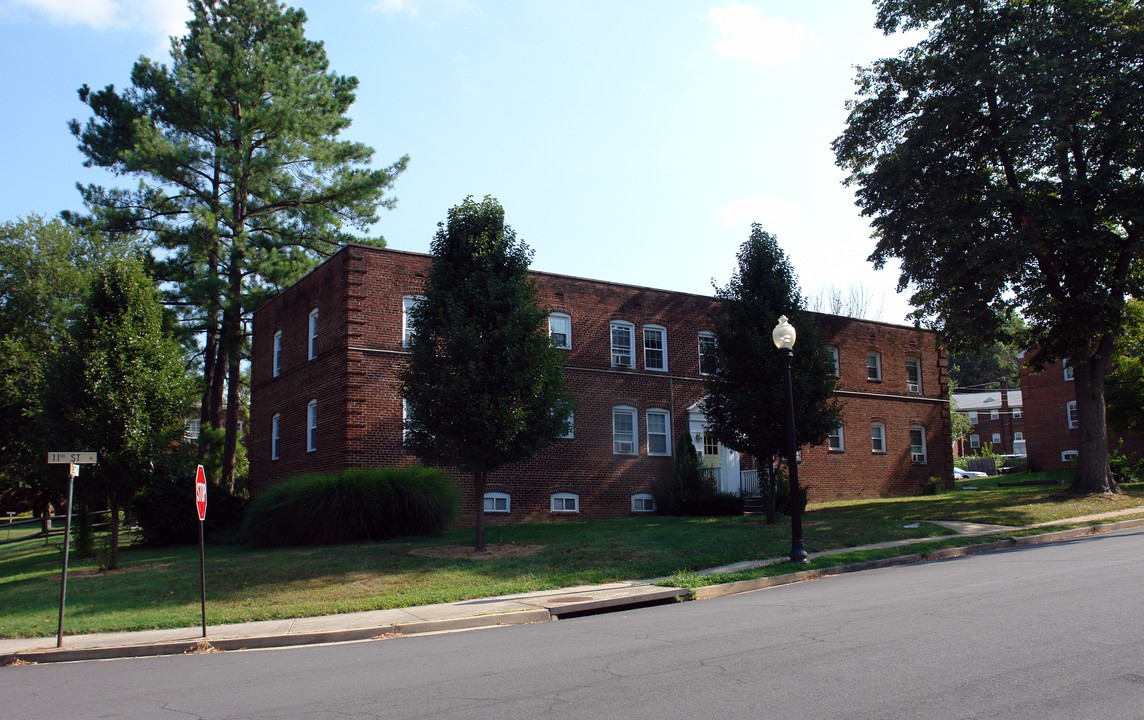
x,y
45,270
119,385
245,183
484,386
1001,160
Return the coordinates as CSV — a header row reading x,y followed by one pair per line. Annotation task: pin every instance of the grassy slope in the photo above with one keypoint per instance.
x,y
159,587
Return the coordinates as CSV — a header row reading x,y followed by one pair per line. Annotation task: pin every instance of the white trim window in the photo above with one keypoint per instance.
x,y
565,503
560,330
643,503
312,344
571,422
1016,413
1069,455
275,428
624,431
623,354
972,417
877,437
918,445
1068,369
312,426
707,358
191,430
655,348
974,441
996,438
874,367
913,375
994,414
834,360
497,502
276,363
658,432
1071,416
408,302
835,441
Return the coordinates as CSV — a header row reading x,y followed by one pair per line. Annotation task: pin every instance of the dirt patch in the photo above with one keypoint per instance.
x,y
466,552
129,568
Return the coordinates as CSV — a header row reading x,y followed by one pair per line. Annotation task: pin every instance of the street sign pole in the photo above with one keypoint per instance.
x,y
201,506
73,470
73,460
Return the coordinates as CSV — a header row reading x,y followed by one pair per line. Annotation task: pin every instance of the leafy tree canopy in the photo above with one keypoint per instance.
x,y
1000,160
118,385
1124,386
45,270
484,385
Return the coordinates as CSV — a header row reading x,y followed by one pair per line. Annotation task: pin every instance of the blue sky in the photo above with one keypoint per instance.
x,y
628,141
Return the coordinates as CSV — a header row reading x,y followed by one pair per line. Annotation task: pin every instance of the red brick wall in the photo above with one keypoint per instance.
x,y
357,389
1045,395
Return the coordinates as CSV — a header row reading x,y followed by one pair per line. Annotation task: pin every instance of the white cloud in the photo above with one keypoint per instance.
x,y
745,33
159,18
774,214
394,7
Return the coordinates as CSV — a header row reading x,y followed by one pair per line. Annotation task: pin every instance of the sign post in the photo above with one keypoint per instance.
x,y
201,506
73,460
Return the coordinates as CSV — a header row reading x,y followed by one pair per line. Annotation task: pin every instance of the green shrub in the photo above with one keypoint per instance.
x,y
782,496
353,506
167,516
717,504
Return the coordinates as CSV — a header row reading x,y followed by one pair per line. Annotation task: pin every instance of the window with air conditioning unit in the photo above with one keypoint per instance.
x,y
918,445
913,375
624,431
623,354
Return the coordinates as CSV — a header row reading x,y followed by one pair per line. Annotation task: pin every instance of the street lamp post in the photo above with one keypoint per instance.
x,y
783,336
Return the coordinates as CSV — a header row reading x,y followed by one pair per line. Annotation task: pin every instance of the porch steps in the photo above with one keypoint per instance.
x,y
753,505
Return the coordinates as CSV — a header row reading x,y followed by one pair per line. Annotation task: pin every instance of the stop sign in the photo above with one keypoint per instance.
x,y
201,493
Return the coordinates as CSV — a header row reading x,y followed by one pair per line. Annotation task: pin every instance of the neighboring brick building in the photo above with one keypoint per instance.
x,y
1051,417
998,420
325,395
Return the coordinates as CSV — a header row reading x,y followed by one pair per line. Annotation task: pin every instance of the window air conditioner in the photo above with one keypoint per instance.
x,y
913,387
621,360
623,447
918,458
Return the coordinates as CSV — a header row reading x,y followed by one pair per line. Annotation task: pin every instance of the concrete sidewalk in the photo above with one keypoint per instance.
x,y
521,608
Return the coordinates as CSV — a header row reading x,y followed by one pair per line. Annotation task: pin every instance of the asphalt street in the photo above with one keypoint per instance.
x,y
1048,631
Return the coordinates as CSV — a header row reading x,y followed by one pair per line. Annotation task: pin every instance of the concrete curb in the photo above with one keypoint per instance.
x,y
538,615
708,592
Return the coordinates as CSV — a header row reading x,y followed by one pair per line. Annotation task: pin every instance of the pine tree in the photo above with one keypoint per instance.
x,y
745,398
245,182
484,386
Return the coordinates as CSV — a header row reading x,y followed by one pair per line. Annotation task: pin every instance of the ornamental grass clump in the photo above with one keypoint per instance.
x,y
353,506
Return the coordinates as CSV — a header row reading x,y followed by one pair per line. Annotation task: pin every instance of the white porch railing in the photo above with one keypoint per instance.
x,y
749,480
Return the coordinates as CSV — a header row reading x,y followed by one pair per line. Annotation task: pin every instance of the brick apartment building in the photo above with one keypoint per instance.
x,y
325,395
997,419
1051,417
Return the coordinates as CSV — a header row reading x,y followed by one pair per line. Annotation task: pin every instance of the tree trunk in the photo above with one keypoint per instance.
x,y
479,480
1093,474
113,555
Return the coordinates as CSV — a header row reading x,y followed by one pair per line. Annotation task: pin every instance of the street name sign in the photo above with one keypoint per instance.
x,y
72,458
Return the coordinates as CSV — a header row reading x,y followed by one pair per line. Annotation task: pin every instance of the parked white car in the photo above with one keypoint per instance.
x,y
959,474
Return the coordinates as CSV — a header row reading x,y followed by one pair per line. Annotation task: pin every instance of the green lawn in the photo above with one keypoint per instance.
x,y
159,587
